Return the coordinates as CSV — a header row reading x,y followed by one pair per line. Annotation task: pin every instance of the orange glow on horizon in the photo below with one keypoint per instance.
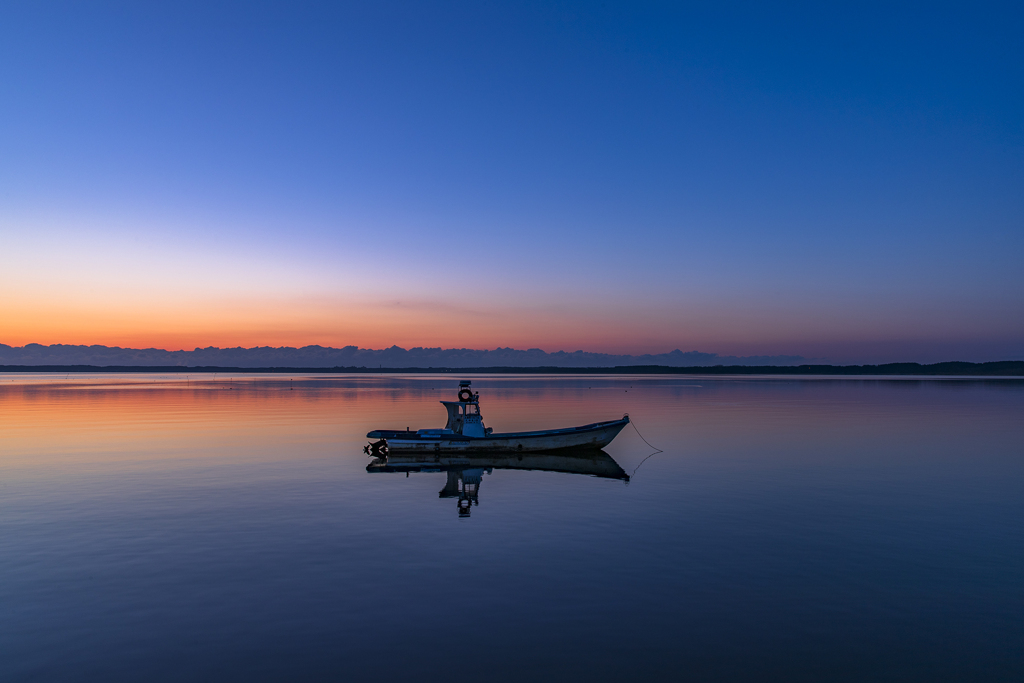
x,y
326,322
333,322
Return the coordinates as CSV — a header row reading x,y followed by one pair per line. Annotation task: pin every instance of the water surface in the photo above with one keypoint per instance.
x,y
168,528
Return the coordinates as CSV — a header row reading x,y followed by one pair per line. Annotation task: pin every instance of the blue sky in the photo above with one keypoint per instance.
x,y
840,182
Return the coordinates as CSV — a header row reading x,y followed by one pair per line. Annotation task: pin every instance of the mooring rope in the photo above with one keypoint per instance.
x,y
656,449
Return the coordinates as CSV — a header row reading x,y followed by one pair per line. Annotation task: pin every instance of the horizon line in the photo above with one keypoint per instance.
x,y
1012,369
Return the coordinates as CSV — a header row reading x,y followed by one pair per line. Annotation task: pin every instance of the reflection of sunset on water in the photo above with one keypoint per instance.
x,y
110,417
213,515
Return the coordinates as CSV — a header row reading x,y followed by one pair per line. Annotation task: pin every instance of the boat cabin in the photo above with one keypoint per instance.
x,y
464,415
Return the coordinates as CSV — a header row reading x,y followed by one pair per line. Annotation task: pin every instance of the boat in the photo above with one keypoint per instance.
x,y
465,433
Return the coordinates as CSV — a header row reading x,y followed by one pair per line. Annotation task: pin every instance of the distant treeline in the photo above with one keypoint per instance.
x,y
1014,368
316,356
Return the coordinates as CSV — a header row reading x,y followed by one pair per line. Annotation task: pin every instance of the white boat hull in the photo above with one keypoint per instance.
x,y
588,437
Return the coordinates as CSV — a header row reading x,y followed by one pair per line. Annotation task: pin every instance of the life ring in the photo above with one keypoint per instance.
x,y
465,395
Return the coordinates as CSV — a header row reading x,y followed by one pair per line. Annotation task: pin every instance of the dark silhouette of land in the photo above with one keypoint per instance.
x,y
1013,368
352,356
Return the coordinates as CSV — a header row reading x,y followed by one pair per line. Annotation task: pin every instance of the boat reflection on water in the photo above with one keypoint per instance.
x,y
465,473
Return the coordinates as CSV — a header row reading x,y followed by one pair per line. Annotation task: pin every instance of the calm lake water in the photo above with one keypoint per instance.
x,y
158,528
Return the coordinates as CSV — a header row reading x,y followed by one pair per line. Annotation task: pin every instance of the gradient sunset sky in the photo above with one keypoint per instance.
x,y
839,182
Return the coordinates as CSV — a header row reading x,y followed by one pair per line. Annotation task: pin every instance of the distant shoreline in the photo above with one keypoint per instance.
x,y
950,369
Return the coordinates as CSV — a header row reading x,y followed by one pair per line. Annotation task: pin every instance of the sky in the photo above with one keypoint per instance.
x,y
843,182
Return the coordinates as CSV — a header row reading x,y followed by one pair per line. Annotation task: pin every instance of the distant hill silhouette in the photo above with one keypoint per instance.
x,y
352,356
